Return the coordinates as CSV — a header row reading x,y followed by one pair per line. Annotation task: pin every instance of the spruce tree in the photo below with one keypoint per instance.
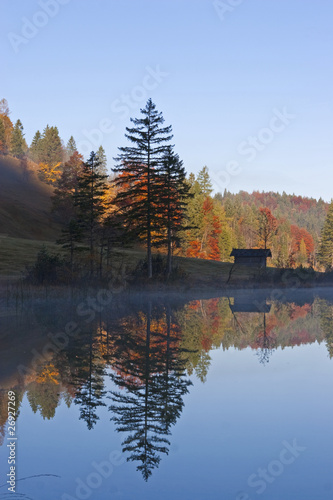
x,y
67,187
137,168
91,204
35,147
174,192
195,217
204,182
102,169
51,147
18,145
71,147
325,255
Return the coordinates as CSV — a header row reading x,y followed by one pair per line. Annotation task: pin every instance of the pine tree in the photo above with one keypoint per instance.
x,y
102,169
35,147
325,255
71,147
18,145
137,168
90,201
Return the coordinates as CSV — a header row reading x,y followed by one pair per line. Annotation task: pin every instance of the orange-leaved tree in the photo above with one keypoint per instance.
x,y
268,226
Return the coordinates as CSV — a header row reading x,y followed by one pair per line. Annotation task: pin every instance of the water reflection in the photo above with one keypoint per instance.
x,y
147,350
146,362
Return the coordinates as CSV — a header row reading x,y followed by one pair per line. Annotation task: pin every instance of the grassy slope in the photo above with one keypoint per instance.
x,y
25,221
17,253
24,203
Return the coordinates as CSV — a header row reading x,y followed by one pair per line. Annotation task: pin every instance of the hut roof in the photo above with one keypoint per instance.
x,y
253,252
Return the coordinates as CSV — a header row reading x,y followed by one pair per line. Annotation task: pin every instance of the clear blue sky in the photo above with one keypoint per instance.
x,y
225,73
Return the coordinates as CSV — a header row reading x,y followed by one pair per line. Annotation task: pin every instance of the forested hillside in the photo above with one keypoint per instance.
x,y
308,213
148,201
287,224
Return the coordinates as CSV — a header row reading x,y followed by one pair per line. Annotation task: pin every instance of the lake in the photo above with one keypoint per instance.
x,y
141,397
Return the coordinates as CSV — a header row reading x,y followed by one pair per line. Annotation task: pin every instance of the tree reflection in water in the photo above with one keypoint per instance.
x,y
148,349
147,364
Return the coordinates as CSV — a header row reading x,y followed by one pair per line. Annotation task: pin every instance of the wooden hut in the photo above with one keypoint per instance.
x,y
256,257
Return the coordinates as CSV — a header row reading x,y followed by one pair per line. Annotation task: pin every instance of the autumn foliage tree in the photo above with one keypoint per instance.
x,y
302,245
6,127
267,226
2,138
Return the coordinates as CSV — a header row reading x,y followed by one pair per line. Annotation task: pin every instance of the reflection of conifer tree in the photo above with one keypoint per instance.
x,y
172,387
89,381
147,368
326,323
265,344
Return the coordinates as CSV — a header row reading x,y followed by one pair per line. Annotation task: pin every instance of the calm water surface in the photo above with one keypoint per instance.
x,y
227,398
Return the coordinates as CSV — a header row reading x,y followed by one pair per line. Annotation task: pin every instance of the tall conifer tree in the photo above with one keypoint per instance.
x,y
325,255
91,204
204,182
35,147
137,168
102,169
71,146
18,145
51,147
174,192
